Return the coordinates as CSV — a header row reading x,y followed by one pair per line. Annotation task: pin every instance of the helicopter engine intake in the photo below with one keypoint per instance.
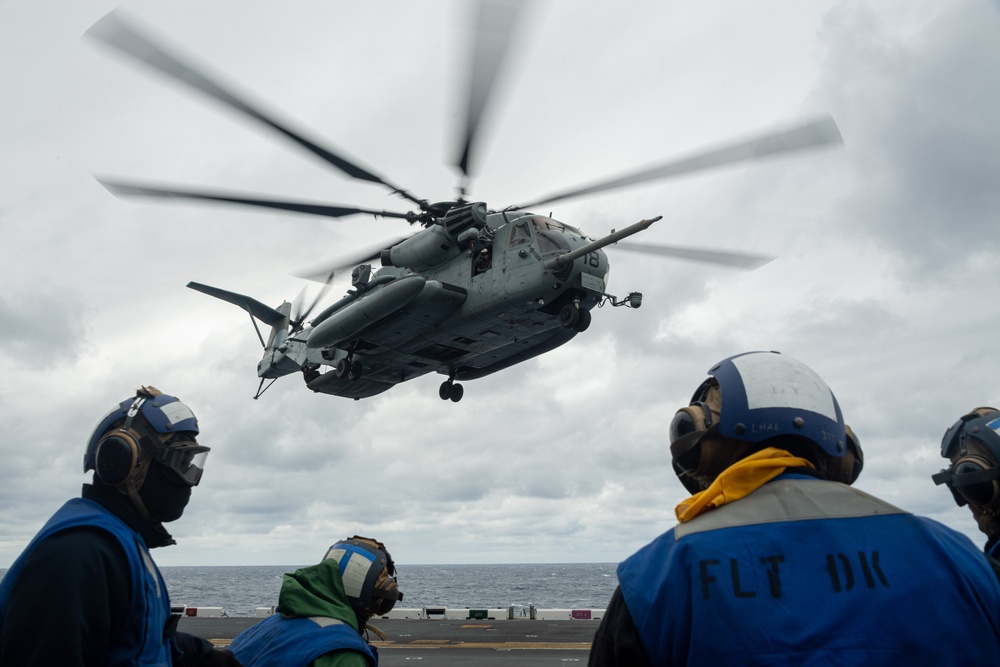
x,y
460,218
441,241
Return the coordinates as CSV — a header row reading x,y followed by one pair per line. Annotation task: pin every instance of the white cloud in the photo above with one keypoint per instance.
x,y
882,282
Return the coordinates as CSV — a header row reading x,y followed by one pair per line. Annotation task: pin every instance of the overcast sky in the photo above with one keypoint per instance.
x,y
885,281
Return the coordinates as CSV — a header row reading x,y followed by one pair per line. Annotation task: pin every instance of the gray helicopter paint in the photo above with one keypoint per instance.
x,y
498,322
359,315
464,317
446,327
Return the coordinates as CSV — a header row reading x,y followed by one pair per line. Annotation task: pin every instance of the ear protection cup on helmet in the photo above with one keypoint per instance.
x,y
118,456
976,480
689,425
385,594
854,448
972,480
846,468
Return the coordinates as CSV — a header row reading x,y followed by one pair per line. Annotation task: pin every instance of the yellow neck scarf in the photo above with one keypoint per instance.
x,y
739,480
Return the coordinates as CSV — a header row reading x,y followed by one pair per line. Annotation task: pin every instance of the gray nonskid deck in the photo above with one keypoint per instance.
x,y
519,641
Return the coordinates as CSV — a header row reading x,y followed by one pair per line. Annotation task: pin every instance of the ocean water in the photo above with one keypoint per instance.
x,y
239,590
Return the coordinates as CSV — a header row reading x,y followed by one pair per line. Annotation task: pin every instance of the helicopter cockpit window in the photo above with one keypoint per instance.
x,y
520,235
542,223
548,242
551,235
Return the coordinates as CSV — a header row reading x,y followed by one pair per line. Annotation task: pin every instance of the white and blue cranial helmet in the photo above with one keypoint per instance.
x,y
369,576
149,426
767,394
756,396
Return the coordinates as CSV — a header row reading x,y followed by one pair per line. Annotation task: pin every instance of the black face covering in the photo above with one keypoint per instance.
x,y
164,494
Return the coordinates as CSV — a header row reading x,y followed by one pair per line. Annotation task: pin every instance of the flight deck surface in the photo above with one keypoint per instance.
x,y
449,642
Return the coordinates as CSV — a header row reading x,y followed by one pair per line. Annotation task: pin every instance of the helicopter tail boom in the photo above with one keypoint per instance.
x,y
266,314
276,361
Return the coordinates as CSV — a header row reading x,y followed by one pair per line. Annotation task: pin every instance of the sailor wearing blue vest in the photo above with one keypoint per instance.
x,y
972,444
323,610
777,560
85,591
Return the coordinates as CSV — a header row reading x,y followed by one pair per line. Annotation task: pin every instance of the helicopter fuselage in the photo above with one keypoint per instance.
x,y
487,302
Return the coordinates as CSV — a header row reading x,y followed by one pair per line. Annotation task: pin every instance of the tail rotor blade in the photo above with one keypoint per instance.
x,y
300,318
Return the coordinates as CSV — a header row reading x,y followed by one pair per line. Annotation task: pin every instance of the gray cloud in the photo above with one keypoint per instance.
x,y
882,280
920,114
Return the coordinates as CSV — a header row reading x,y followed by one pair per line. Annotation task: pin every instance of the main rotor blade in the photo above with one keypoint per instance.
x,y
731,259
123,189
494,26
115,32
325,271
813,134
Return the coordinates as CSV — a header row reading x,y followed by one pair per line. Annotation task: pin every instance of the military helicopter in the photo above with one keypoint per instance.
x,y
474,290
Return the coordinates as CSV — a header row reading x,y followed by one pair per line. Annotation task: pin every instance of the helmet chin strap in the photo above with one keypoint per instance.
x,y
130,487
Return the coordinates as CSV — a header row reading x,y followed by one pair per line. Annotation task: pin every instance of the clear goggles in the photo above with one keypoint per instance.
x,y
184,457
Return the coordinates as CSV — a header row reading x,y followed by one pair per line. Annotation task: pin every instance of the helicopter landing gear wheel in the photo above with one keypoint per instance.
x,y
569,315
348,368
583,321
450,390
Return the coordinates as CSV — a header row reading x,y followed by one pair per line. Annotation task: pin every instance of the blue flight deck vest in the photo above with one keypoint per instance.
x,y
804,571
141,642
295,642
